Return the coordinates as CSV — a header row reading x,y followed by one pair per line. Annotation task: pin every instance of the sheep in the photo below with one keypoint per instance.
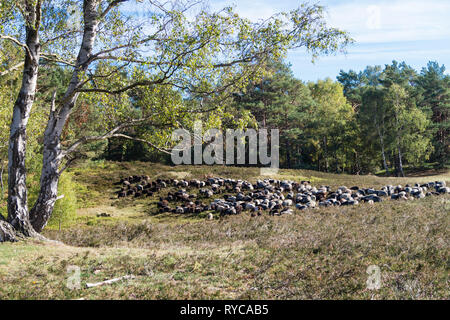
x,y
229,211
311,204
419,195
350,202
273,195
274,212
287,203
179,210
287,211
184,184
443,190
162,203
381,193
325,203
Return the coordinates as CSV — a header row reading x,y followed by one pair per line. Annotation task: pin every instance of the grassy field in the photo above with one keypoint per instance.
x,y
315,254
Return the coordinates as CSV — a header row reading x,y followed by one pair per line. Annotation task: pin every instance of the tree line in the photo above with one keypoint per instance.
x,y
375,120
367,121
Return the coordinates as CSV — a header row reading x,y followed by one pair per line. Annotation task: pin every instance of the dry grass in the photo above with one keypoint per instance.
x,y
317,254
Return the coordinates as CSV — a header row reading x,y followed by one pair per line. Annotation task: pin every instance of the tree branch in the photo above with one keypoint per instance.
x,y
53,105
68,163
54,58
110,7
123,89
17,42
120,135
107,135
13,68
62,35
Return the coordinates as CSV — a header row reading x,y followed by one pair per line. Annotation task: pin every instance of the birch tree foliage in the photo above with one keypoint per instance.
x,y
407,126
329,120
210,53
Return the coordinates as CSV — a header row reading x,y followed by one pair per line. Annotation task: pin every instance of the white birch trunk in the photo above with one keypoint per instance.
x,y
52,153
18,215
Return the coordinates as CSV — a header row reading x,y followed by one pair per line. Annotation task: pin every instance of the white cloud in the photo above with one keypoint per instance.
x,y
398,20
368,21
255,9
414,31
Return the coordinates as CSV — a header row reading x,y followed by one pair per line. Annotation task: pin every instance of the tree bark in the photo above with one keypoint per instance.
x,y
400,163
1,180
53,155
325,152
43,207
383,153
7,232
288,154
18,215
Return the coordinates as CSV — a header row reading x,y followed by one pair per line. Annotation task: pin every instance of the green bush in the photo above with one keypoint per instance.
x,y
65,208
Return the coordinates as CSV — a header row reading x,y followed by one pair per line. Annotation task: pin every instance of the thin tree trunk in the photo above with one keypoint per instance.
x,y
386,168
399,158
318,162
325,154
383,153
288,154
1,180
18,215
400,163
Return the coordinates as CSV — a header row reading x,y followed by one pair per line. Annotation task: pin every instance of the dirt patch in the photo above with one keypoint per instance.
x,y
179,174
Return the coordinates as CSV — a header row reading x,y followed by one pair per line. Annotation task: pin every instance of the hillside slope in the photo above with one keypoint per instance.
x,y
322,253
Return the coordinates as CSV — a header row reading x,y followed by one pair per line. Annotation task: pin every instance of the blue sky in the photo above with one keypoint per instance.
x,y
413,31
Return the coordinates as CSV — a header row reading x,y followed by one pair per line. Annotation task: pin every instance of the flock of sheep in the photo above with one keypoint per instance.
x,y
277,197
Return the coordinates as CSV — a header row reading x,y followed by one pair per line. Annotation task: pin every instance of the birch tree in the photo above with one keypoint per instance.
x,y
18,216
374,115
408,125
178,44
